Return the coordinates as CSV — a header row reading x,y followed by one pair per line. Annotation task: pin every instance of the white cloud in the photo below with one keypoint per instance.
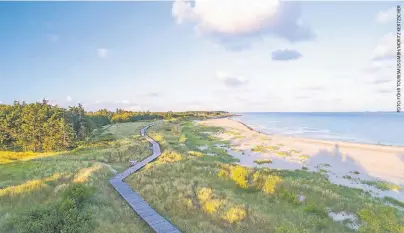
x,y
236,22
224,16
386,49
102,52
387,15
231,80
69,99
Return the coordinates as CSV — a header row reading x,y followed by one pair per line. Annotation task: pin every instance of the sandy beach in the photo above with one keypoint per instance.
x,y
350,164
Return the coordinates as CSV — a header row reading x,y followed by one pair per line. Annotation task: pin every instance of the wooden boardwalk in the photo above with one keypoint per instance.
x,y
138,204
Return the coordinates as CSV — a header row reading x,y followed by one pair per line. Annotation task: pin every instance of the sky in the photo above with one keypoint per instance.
x,y
232,55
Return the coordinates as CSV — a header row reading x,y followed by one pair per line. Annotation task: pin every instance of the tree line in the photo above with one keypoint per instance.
x,y
41,127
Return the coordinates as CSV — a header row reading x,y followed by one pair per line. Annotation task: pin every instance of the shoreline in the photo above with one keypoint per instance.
x,y
314,139
349,164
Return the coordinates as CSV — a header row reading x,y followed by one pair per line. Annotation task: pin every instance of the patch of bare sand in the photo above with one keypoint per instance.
x,y
345,163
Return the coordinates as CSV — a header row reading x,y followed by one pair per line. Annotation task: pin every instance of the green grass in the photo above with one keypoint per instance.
x,y
262,161
31,191
7,157
382,185
197,193
210,194
394,202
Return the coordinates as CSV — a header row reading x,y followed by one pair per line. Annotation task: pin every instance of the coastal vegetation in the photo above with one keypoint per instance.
x,y
382,185
212,194
195,184
42,127
262,161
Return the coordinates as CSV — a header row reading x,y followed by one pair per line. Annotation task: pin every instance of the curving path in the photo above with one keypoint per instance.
x,y
138,204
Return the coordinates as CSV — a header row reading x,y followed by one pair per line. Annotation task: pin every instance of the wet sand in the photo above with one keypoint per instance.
x,y
344,163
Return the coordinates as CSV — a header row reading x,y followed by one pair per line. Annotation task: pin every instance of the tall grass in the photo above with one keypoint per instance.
x,y
210,194
32,192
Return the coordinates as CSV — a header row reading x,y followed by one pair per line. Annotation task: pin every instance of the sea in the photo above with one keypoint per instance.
x,y
386,128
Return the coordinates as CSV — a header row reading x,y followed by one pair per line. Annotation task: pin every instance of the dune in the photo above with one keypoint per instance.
x,y
378,169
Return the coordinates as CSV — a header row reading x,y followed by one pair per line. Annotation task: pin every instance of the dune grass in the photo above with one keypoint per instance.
x,y
196,192
32,192
262,161
264,149
383,185
12,156
211,194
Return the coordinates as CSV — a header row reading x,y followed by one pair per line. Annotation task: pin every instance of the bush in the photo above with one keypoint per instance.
x,y
170,157
289,197
67,216
204,194
235,214
380,220
239,176
270,184
211,206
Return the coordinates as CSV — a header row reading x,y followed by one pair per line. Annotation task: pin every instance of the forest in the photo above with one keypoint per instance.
x,y
42,127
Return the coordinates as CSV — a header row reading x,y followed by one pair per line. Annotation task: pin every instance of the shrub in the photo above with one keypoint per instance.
x,y
270,184
67,216
205,194
235,214
289,197
211,206
380,220
170,157
239,176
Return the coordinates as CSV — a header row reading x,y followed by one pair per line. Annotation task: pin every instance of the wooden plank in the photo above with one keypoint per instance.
x,y
138,204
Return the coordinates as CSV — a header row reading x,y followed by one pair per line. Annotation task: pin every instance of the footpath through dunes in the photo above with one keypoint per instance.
x,y
138,204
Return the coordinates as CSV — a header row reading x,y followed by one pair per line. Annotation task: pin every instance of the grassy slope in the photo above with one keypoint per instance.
x,y
39,182
186,188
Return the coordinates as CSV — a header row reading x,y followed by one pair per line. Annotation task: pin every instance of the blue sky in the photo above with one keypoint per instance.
x,y
159,56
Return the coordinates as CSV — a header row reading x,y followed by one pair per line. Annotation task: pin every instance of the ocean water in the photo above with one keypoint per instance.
x,y
385,128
